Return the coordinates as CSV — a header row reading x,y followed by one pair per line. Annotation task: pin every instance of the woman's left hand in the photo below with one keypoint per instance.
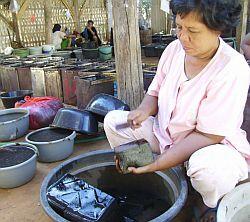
x,y
140,170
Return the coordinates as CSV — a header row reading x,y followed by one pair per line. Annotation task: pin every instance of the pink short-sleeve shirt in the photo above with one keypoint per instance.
x,y
212,102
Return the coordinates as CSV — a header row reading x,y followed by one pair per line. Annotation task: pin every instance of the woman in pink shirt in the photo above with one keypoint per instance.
x,y
193,109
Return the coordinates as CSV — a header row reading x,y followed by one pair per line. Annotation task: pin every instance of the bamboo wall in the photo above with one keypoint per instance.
x,y
4,39
32,22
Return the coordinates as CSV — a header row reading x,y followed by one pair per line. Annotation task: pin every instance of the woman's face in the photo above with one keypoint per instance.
x,y
196,38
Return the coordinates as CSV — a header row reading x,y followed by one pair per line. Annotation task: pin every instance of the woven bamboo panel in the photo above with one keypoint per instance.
x,y
32,23
59,15
4,38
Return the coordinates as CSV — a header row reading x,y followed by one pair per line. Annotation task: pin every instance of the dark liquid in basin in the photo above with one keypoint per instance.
x,y
13,155
137,197
10,116
50,135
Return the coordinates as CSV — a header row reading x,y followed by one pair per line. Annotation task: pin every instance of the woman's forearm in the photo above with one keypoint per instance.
x,y
182,151
149,105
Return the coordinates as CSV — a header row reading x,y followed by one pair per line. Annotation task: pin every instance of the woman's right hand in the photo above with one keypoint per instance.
x,y
136,117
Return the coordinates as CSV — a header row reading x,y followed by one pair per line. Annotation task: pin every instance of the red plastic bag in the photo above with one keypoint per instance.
x,y
42,110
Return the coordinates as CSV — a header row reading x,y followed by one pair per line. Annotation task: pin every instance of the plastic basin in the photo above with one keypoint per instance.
x,y
235,206
98,169
17,175
53,144
14,123
10,98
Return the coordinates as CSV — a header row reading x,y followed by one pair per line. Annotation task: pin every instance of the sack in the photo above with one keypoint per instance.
x,y
42,110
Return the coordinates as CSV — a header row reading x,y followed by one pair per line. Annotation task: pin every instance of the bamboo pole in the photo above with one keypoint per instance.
x,y
48,21
23,8
76,18
16,27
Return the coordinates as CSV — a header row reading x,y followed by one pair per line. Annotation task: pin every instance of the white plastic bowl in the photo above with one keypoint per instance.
x,y
235,206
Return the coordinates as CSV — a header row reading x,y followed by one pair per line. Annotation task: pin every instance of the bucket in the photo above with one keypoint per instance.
x,y
235,206
167,189
105,53
38,50
90,53
21,52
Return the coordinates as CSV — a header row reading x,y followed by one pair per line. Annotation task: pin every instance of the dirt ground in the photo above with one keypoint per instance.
x,y
22,204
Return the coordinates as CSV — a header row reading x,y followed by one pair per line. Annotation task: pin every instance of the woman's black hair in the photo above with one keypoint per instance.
x,y
219,15
57,27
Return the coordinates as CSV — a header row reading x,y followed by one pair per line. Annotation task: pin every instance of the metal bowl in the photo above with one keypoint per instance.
x,y
10,98
53,144
103,103
14,123
78,120
19,174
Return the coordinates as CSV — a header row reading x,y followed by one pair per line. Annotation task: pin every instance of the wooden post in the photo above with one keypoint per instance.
x,y
158,17
242,27
128,52
16,28
77,15
48,21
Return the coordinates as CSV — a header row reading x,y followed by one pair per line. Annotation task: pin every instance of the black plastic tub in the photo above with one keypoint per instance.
x,y
156,197
10,98
150,50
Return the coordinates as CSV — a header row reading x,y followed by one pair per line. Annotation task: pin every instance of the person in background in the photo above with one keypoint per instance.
x,y
76,35
245,45
57,36
90,34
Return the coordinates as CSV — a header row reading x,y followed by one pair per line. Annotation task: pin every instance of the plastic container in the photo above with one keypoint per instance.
x,y
21,52
98,169
235,206
105,53
38,50
81,121
78,54
53,144
14,123
150,51
19,174
90,53
10,98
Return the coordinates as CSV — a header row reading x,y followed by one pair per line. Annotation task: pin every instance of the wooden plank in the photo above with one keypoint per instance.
x,y
10,79
242,27
48,21
69,87
24,77
128,52
53,84
38,81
